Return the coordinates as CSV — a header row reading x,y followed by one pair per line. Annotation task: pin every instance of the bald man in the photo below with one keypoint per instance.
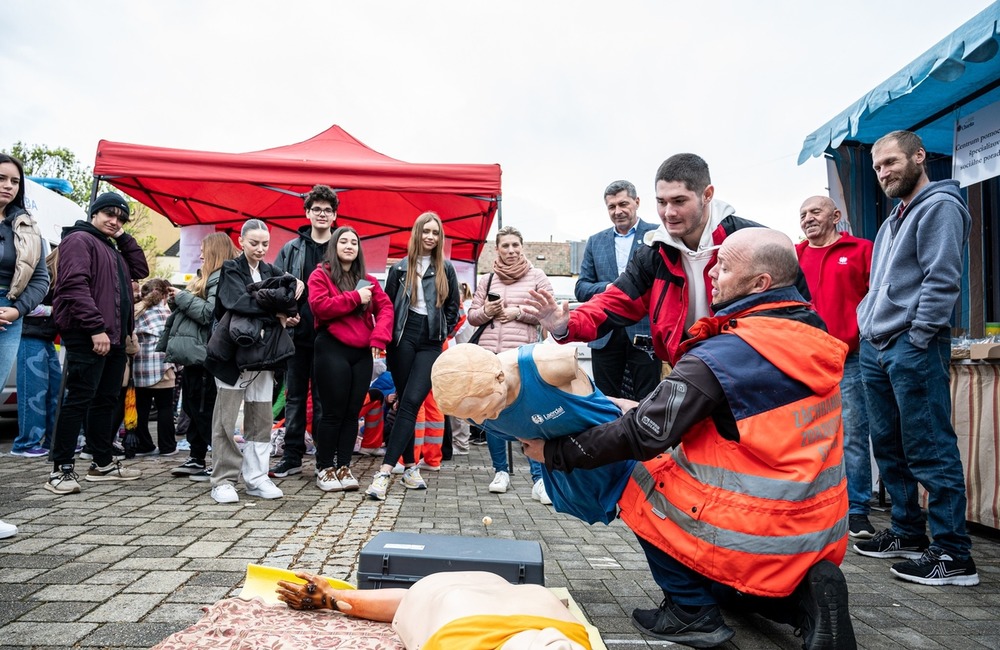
x,y
742,492
837,266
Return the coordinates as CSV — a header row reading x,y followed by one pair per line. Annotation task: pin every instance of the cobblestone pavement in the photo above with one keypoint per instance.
x,y
123,565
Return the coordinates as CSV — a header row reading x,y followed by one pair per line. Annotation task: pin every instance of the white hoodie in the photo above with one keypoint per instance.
x,y
695,265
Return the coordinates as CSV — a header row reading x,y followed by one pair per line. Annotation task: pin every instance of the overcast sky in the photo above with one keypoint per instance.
x,y
566,95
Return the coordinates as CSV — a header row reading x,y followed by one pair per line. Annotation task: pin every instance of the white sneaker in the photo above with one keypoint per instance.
x,y
266,489
398,469
225,493
430,468
7,530
538,493
347,479
379,486
500,483
327,480
413,480
372,451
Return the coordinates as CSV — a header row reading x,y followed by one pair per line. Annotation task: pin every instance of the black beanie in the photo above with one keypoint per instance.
x,y
110,200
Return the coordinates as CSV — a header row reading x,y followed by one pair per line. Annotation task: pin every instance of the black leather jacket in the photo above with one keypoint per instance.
x,y
441,321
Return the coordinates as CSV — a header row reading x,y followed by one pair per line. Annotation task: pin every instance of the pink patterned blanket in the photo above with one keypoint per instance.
x,y
235,624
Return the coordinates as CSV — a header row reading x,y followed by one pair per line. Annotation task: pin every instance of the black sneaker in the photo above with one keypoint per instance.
x,y
935,567
202,476
114,471
888,544
824,621
189,467
285,468
702,629
859,527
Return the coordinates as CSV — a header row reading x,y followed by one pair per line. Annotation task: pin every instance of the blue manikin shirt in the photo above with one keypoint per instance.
x,y
543,411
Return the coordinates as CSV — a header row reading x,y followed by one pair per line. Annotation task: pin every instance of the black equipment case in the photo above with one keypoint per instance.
x,y
399,559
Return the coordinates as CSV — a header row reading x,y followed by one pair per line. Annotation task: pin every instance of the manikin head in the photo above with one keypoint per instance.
x,y
469,382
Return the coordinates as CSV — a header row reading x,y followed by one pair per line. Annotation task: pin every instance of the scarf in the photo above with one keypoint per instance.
x,y
511,273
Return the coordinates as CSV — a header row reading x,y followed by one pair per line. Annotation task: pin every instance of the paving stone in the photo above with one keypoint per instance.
x,y
130,635
159,582
69,611
124,607
56,635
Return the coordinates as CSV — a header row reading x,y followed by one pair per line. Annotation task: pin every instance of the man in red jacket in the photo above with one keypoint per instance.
x,y
837,266
667,277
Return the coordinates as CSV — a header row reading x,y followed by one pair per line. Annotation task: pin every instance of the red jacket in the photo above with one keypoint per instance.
x,y
838,279
335,310
654,284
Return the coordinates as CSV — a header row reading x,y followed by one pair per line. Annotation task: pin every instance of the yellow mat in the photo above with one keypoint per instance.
x,y
596,642
261,582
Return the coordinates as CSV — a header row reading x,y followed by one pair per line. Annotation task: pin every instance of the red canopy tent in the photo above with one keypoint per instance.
x,y
379,196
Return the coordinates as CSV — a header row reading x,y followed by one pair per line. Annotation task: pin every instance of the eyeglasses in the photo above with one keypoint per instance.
x,y
329,212
703,253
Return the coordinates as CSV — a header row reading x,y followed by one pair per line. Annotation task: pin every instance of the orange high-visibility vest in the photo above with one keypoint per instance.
x,y
757,513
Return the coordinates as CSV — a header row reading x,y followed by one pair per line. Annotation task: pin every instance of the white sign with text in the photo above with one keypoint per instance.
x,y
976,157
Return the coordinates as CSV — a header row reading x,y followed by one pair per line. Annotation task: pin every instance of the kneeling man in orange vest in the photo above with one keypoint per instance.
x,y
742,492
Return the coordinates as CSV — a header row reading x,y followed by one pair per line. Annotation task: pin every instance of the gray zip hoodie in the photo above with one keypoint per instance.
x,y
917,268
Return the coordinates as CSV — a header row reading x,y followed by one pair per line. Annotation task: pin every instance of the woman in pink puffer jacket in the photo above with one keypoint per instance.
x,y
509,327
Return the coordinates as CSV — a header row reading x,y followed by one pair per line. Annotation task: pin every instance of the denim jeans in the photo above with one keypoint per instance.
x,y
498,455
909,408
857,449
10,339
685,586
39,374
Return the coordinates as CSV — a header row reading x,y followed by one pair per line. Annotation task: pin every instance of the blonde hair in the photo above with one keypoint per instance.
x,y
215,249
476,370
437,258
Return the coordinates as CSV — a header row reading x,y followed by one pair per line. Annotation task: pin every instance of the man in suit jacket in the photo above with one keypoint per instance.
x,y
604,259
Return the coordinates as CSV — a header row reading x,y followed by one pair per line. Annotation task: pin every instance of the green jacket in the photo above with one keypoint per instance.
x,y
189,326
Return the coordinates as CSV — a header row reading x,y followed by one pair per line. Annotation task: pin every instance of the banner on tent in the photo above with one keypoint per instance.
x,y
976,156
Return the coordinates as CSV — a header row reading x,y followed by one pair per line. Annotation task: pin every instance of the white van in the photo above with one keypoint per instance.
x,y
52,212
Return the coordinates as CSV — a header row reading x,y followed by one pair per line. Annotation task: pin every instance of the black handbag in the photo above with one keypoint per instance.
x,y
474,339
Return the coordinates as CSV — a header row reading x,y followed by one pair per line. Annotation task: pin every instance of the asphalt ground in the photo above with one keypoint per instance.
x,y
124,565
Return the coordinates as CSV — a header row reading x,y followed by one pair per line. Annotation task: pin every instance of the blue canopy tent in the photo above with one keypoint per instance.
x,y
957,76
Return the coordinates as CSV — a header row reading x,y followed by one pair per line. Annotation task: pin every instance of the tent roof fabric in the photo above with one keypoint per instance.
x,y
378,195
960,71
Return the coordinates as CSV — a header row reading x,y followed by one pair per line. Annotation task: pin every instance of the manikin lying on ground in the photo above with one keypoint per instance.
x,y
462,609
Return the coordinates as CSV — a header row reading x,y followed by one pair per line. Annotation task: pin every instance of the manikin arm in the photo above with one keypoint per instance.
x,y
317,593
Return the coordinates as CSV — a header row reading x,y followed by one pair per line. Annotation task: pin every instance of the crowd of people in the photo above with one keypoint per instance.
x,y
735,494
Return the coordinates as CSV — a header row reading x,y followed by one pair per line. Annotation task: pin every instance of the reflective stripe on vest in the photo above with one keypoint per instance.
x,y
732,540
757,513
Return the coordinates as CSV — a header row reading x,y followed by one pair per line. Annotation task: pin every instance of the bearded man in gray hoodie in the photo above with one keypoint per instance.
x,y
904,322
